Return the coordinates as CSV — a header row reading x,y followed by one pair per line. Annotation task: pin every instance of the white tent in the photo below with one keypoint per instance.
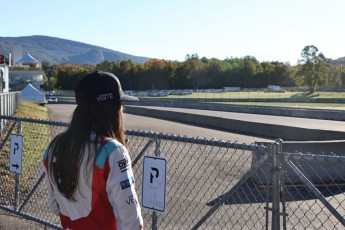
x,y
27,58
30,93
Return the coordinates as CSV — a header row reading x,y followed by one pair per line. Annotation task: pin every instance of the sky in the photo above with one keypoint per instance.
x,y
269,30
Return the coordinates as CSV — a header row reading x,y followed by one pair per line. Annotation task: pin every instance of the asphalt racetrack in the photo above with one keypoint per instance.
x,y
63,112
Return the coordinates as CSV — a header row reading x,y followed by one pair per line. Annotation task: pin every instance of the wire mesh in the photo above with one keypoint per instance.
x,y
211,184
326,179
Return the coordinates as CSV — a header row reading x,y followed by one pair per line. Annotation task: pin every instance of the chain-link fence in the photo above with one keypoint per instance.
x,y
307,189
211,184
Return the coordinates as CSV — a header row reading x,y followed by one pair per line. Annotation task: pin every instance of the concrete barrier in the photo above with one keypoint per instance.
x,y
261,129
315,113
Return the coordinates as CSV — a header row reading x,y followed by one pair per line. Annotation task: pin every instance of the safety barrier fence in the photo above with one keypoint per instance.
x,y
211,184
9,102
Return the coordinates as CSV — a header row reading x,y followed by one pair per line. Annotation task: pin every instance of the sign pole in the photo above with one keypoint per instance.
x,y
154,213
16,194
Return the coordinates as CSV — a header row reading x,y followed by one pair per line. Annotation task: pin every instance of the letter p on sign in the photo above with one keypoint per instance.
x,y
154,183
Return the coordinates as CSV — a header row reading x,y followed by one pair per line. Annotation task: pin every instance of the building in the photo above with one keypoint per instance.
x,y
26,70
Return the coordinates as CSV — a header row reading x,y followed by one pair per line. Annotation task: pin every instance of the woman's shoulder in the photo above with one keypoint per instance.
x,y
113,150
111,144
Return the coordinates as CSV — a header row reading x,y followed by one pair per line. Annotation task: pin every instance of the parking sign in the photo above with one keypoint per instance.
x,y
16,153
154,183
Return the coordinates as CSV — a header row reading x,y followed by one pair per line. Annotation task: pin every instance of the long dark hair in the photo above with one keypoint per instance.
x,y
68,148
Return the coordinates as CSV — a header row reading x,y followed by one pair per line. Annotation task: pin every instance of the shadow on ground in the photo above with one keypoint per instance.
x,y
250,192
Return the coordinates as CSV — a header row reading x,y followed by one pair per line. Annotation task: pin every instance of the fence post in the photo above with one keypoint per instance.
x,y
283,175
1,112
17,179
1,103
276,184
154,213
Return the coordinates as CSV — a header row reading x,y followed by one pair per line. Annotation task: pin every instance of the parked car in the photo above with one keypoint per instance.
x,y
52,99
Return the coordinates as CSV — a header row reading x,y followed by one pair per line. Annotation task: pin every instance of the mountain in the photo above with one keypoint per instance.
x,y
339,61
58,51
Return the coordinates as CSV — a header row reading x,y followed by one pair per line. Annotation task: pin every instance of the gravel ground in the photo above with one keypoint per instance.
x,y
9,221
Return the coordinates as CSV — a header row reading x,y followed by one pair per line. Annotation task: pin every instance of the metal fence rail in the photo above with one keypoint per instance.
x,y
9,102
211,184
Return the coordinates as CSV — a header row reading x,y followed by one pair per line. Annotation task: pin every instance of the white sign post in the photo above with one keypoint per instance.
x,y
16,153
154,183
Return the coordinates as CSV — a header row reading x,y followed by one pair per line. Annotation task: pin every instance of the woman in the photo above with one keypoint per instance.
x,y
90,179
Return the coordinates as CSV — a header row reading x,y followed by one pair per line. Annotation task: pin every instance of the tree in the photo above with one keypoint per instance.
x,y
268,68
178,76
50,71
156,73
314,67
335,80
68,75
194,68
252,68
105,66
282,74
214,74
125,73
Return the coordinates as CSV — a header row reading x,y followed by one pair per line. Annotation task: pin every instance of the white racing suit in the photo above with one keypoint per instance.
x,y
105,197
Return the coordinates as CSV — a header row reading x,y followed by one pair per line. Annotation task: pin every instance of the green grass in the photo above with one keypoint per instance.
x,y
268,95
261,95
31,109
282,104
241,95
256,95
36,138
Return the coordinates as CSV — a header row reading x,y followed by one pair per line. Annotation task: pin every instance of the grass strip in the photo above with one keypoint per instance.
x,y
36,138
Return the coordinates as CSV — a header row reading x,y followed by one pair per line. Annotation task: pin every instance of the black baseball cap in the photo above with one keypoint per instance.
x,y
99,87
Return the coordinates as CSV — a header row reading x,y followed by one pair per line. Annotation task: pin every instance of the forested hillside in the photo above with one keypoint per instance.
x,y
58,51
314,71
65,61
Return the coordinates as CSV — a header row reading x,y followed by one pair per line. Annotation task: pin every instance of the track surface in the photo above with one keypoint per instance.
x,y
63,112
266,119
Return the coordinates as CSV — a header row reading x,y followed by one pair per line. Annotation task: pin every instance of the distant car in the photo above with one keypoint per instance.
x,y
52,99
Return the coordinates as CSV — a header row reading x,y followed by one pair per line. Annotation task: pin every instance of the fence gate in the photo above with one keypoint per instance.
x,y
308,190
315,190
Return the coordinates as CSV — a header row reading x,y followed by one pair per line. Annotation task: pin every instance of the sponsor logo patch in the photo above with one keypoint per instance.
x,y
127,183
104,97
131,200
123,164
